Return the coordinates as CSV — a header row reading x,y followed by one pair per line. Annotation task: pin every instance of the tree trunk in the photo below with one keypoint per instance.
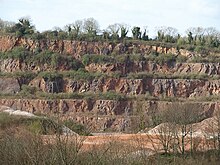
x,y
191,140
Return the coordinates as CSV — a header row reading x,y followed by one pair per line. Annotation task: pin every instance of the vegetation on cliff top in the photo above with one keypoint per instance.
x,y
196,38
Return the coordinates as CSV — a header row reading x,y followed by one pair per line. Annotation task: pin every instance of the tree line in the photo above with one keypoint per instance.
x,y
89,29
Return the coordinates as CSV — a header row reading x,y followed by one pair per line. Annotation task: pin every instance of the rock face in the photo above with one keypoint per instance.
x,y
101,114
79,48
98,115
9,86
185,88
152,67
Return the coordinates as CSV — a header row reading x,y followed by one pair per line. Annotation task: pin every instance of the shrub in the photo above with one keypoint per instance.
x,y
54,60
181,59
131,57
82,75
28,91
36,125
59,95
162,58
166,58
111,95
76,127
50,76
18,53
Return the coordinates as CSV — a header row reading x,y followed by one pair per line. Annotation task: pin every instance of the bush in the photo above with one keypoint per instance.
x,y
181,59
83,75
111,95
76,127
36,125
18,53
50,76
162,58
54,60
166,59
27,91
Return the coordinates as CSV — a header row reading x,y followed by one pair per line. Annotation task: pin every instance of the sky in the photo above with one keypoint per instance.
x,y
180,14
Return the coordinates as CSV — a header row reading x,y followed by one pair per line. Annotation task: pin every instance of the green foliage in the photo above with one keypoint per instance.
x,y
207,59
26,149
181,42
162,58
201,50
76,127
18,53
83,75
88,30
28,91
190,37
181,59
131,58
167,58
112,95
23,76
50,76
22,28
54,60
43,57
136,32
35,125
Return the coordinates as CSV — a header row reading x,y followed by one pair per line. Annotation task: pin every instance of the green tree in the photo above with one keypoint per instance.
x,y
124,30
190,37
145,37
23,27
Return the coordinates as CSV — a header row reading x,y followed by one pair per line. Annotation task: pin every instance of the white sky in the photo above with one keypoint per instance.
x,y
180,14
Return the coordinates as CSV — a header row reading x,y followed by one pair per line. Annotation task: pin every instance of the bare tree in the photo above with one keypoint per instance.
x,y
114,30
165,134
196,31
212,132
77,26
90,26
177,123
184,115
166,33
4,25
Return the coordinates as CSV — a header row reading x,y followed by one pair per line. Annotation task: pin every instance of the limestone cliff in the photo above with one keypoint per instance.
x,y
100,115
182,88
141,82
